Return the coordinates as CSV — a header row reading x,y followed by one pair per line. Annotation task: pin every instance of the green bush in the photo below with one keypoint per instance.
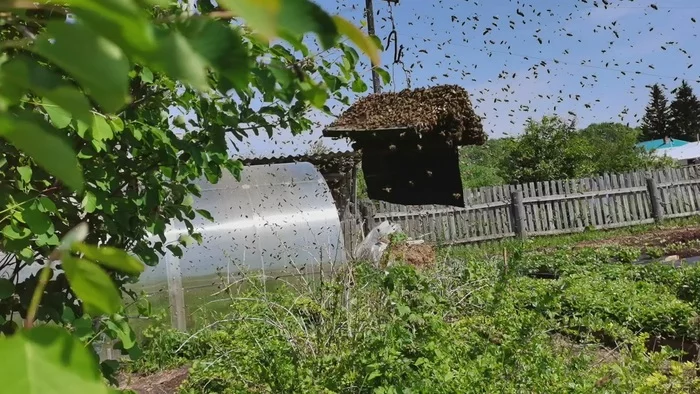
x,y
463,326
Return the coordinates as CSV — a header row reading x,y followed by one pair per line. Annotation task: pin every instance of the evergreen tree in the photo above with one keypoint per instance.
x,y
655,123
684,114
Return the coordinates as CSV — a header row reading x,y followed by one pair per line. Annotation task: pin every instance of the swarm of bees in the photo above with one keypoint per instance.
x,y
444,110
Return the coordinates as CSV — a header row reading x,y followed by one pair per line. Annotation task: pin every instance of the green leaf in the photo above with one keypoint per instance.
x,y
147,75
11,232
117,123
92,285
386,78
110,257
260,15
47,204
101,130
48,150
102,69
69,100
121,329
302,16
119,20
89,202
176,57
221,46
273,18
360,39
205,214
37,221
359,86
58,116
58,93
25,173
7,288
48,360
76,234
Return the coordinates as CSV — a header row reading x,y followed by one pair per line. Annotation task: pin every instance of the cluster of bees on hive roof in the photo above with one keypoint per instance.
x,y
443,109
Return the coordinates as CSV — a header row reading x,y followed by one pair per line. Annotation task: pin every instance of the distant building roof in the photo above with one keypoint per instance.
x,y
661,144
687,151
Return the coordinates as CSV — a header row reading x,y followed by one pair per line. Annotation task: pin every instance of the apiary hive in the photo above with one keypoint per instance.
x,y
409,142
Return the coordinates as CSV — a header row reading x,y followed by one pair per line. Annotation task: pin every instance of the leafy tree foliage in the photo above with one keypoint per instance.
x,y
479,165
86,96
555,149
546,150
655,123
685,114
614,148
138,170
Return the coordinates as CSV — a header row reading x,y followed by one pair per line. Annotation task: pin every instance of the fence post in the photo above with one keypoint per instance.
x,y
367,212
657,211
176,292
518,209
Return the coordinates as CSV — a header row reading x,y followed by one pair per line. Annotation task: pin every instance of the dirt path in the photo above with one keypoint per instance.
x,y
657,238
165,382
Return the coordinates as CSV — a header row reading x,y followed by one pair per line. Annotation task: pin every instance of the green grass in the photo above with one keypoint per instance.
x,y
466,325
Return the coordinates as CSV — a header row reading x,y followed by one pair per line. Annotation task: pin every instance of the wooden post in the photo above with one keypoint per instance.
x,y
176,293
518,210
657,211
367,212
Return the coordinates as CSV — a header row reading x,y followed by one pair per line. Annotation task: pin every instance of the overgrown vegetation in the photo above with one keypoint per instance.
x,y
516,320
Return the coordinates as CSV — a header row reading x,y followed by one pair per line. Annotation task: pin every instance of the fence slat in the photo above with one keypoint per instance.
x,y
551,207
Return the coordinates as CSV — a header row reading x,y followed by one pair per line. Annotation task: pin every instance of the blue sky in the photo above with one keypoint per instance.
x,y
568,60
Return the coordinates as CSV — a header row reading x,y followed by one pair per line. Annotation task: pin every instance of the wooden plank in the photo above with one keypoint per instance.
x,y
603,202
471,232
692,206
612,202
626,211
176,292
595,193
629,204
676,194
556,205
534,208
641,198
493,213
683,190
529,215
507,190
694,173
544,189
495,197
485,217
502,195
587,207
664,180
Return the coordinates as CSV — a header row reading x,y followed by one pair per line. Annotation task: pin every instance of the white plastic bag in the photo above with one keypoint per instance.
x,y
375,243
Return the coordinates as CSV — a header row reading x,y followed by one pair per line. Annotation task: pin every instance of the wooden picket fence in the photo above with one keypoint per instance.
x,y
553,207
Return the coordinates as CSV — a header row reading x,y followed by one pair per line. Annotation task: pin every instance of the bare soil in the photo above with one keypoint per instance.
x,y
657,238
419,256
164,382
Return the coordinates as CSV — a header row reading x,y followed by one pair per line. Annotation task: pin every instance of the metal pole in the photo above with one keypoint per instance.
x,y
369,13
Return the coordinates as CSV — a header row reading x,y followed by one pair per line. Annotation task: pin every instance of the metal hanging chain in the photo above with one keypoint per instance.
x,y
398,48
